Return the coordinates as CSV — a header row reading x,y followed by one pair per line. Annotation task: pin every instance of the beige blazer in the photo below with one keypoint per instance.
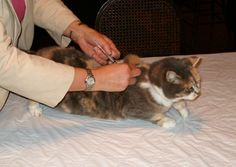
x,y
28,75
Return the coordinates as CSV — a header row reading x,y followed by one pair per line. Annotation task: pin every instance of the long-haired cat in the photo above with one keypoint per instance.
x,y
163,84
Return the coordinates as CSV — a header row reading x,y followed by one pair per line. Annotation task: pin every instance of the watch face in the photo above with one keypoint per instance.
x,y
90,80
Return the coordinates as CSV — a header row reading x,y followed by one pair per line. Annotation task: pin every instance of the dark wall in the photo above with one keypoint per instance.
x,y
86,10
208,26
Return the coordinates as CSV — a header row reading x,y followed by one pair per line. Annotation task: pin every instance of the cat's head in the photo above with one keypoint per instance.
x,y
177,78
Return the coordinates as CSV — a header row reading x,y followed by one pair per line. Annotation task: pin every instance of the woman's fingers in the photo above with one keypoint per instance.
x,y
134,71
133,74
132,81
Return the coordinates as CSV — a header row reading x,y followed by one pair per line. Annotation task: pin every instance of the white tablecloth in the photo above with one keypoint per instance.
x,y
206,139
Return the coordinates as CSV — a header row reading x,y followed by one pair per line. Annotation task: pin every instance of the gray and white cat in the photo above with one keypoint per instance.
x,y
163,84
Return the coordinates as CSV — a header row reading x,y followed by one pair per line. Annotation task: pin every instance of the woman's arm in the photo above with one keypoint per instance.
x,y
114,77
32,76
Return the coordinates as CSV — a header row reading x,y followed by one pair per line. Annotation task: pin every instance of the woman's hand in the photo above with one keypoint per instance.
x,y
115,77
111,78
90,40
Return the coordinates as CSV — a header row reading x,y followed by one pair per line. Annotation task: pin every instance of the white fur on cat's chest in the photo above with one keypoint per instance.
x,y
157,94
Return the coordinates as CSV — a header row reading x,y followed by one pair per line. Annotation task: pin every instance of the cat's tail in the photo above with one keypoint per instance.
x,y
132,59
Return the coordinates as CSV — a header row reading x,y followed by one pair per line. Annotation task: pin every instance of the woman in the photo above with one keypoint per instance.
x,y
43,80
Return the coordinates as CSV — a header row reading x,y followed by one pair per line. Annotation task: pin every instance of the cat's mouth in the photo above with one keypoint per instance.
x,y
192,96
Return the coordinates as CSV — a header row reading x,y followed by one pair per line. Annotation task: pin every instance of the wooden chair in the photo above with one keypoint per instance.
x,y
143,27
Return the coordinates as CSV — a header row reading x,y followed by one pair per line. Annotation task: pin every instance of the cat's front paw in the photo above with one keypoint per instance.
x,y
181,107
184,113
35,109
167,123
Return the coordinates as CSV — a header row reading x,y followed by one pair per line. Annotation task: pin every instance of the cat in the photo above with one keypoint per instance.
x,y
163,84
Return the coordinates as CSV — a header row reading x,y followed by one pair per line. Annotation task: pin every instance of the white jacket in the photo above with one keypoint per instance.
x,y
28,75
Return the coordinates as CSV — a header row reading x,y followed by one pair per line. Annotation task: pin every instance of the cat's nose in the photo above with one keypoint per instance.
x,y
197,91
198,85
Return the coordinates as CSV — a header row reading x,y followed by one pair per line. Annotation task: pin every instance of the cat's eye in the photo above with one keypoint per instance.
x,y
189,90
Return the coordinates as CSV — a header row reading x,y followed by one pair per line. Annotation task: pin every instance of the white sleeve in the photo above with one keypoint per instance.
x,y
32,76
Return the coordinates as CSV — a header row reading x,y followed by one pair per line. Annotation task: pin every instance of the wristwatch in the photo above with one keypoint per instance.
x,y
89,80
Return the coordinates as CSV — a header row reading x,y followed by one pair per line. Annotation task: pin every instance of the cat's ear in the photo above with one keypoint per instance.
x,y
172,77
195,61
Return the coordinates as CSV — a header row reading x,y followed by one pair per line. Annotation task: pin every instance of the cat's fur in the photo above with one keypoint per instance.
x,y
163,84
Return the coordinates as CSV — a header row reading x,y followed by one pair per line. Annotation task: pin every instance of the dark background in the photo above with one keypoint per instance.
x,y
207,26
